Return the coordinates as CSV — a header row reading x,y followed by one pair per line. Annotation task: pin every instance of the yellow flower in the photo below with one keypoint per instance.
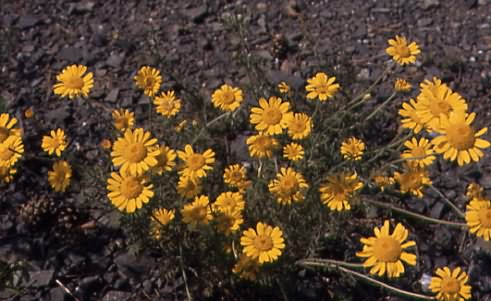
x,y
10,151
413,180
198,212
385,251
59,178
195,164
474,191
383,181
261,146
29,112
450,285
299,125
7,127
459,140
271,116
133,152
148,79
247,268
419,152
338,191
283,87
187,188
478,218
436,101
166,159
7,174
106,144
321,86
56,143
234,175
227,98
123,119
293,152
263,244
411,119
73,82
128,193
229,200
160,217
352,148
229,220
180,126
402,52
167,103
402,85
289,186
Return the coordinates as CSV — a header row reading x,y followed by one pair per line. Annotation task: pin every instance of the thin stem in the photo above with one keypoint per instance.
x,y
380,107
369,89
454,207
184,274
331,262
316,110
208,124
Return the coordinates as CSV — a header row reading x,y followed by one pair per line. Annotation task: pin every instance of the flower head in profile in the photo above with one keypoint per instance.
x,y
299,125
198,212
419,152
196,165
459,140
261,146
283,87
106,144
73,81
288,187
123,119
352,149
160,217
228,220
60,176
166,159
236,176
402,51
271,116
29,112
478,218
411,119
55,143
263,244
413,180
227,98
475,191
148,79
402,85
7,127
11,151
188,189
7,174
339,189
385,252
450,285
134,153
321,86
246,267
229,201
127,192
167,104
383,181
293,152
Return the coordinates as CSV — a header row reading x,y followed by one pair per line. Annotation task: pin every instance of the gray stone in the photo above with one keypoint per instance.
x,y
27,21
428,4
57,294
364,74
70,54
196,14
115,60
41,278
485,182
113,95
116,296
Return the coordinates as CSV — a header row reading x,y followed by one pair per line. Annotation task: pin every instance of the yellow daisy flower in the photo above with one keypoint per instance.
x,y
402,85
56,143
29,112
160,217
227,98
198,212
411,119
270,118
338,191
385,251
246,267
148,79
234,175
167,103
187,188
402,52
293,152
106,144
229,200
383,181
450,285
10,151
123,119
413,180
419,152
73,82
7,129
478,218
180,126
352,149
261,146
133,152
229,220
127,192
283,87
289,186
263,244
321,86
59,178
299,125
459,140
474,191
7,174
196,165
166,159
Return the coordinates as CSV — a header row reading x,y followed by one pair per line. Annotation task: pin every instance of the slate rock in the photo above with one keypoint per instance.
x,y
28,21
429,4
132,266
116,296
41,278
112,96
196,14
115,60
57,294
70,54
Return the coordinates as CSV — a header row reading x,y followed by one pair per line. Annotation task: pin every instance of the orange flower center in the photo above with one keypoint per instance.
x,y
149,82
236,176
263,243
450,285
411,180
121,123
297,126
135,152
4,133
162,159
461,136
131,188
387,249
439,106
167,105
418,151
228,97
403,51
289,184
198,213
263,143
196,162
5,153
272,116
74,82
485,217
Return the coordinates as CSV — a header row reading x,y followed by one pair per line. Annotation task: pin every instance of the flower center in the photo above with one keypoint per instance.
x,y
485,217
461,136
439,106
4,133
5,153
272,116
450,285
297,126
149,82
263,243
403,51
74,82
236,176
387,249
418,151
135,152
196,161
411,180
121,123
131,188
263,143
167,105
198,213
228,97
289,184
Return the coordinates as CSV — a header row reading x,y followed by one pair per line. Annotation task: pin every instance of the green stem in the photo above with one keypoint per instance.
x,y
331,262
208,124
369,89
380,107
454,207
